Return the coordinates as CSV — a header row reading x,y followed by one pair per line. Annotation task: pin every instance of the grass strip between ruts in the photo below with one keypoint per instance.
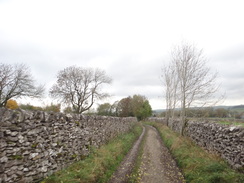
x,y
100,164
135,176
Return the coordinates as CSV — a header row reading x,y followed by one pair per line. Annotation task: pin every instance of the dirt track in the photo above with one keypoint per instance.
x,y
157,165
123,172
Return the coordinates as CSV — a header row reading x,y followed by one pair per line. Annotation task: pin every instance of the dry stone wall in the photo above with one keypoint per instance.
x,y
36,144
226,140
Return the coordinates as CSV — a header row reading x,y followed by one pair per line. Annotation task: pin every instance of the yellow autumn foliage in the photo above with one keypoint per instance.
x,y
12,104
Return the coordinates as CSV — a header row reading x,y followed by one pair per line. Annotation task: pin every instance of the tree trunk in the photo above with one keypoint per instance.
x,y
183,115
167,116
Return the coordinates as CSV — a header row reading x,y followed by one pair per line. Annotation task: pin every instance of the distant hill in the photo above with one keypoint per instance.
x,y
222,107
158,111
239,108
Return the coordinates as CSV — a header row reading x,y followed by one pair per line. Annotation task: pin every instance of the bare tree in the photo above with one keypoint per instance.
x,y
15,82
80,87
170,81
193,83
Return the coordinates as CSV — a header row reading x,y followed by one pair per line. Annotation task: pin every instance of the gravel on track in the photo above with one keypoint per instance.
x,y
157,164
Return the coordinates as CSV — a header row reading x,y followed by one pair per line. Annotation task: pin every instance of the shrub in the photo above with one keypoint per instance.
x,y
12,104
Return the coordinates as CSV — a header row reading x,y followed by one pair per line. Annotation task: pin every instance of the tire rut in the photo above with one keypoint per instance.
x,y
123,172
156,166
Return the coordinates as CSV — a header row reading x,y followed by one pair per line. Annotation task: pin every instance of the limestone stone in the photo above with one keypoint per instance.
x,y
35,144
4,159
13,134
44,169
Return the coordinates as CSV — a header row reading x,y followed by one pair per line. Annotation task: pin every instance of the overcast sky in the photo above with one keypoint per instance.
x,y
130,40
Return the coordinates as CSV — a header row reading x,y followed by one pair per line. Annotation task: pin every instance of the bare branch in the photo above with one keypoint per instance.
x,y
16,81
80,87
188,80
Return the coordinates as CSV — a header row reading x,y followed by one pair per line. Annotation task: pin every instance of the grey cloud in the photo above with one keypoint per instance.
x,y
134,72
132,75
229,64
233,54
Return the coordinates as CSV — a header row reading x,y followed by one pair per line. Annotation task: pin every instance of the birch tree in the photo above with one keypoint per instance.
x,y
170,81
193,82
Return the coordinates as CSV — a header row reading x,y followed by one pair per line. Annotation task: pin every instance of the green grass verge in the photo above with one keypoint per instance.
x,y
225,121
231,123
197,165
100,164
